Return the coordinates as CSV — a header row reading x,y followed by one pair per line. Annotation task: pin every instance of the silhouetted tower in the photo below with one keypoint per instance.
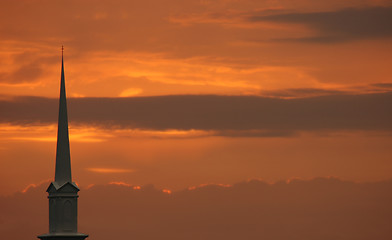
x,y
63,193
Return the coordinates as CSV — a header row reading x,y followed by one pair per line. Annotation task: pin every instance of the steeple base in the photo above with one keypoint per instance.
x,y
63,236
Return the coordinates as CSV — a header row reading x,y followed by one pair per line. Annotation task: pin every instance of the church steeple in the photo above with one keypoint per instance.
x,y
63,159
63,193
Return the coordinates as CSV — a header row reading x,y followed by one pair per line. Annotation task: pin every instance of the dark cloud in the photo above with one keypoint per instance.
x,y
300,209
319,39
26,73
341,25
211,112
24,110
301,92
256,133
31,67
383,85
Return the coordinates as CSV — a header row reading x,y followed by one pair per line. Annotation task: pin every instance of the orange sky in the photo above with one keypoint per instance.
x,y
265,89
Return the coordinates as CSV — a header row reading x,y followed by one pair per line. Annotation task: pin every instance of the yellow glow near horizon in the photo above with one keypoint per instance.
x,y
110,170
47,133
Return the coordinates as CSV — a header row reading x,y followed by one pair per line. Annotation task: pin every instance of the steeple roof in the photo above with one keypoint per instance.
x,y
63,159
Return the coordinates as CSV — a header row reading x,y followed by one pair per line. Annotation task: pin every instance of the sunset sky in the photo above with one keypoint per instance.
x,y
182,93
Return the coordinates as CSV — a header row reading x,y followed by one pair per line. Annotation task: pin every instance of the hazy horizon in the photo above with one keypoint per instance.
x,y
322,208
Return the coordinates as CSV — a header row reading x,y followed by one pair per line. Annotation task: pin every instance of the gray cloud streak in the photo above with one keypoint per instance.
x,y
211,112
341,25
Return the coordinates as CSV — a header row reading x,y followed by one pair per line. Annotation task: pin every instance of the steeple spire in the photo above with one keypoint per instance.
x,y
63,159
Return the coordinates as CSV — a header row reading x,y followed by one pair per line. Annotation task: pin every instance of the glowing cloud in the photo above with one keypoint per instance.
x,y
167,191
109,170
131,92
